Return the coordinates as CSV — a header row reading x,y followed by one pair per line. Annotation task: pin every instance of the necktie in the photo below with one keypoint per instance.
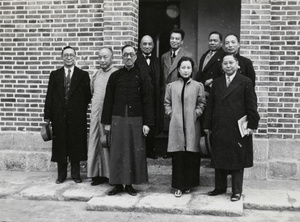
x,y
173,56
67,83
147,57
207,58
227,81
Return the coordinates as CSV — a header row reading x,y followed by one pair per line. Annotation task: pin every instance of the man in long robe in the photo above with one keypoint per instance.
x,y
98,157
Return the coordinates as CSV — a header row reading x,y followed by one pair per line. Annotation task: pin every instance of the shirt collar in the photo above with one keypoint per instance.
x,y
232,76
176,51
67,69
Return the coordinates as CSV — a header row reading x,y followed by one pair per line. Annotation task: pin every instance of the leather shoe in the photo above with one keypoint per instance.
x,y
129,189
117,189
59,181
216,192
236,197
78,180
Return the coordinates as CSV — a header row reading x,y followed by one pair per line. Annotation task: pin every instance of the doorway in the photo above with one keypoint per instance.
x,y
157,19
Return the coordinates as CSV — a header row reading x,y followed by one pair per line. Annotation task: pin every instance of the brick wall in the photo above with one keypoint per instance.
x,y
270,37
32,34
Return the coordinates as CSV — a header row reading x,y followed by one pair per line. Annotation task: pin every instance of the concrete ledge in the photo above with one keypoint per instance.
x,y
281,200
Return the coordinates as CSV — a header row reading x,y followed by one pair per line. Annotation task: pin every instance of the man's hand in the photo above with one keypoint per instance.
x,y
250,131
107,127
207,131
47,121
208,82
146,130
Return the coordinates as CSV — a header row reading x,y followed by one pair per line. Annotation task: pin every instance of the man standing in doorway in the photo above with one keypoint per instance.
x,y
66,104
210,63
149,64
98,157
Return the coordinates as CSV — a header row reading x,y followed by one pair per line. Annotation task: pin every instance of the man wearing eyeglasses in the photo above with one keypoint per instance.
x,y
128,113
66,104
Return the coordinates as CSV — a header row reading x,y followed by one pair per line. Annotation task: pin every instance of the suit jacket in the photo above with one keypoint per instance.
x,y
213,68
152,71
225,107
170,70
69,121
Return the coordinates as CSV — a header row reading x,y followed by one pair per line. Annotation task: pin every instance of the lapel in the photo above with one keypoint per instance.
x,y
213,59
202,59
167,60
234,84
61,83
76,77
177,58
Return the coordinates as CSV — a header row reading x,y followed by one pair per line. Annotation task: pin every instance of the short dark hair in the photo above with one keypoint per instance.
x,y
126,46
67,47
217,33
238,39
184,59
228,54
180,31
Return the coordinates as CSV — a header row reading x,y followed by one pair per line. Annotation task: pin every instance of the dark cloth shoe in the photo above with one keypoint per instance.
x,y
59,181
98,180
78,180
236,197
117,189
129,189
216,192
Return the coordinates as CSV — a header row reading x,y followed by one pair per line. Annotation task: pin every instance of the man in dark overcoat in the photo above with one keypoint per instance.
x,y
210,63
232,97
232,46
149,64
66,104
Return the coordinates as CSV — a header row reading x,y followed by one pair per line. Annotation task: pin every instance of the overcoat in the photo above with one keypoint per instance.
x,y
225,107
156,79
184,131
69,121
246,68
170,74
213,68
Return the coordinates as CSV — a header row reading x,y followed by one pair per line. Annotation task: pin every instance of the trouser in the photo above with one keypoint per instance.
x,y
237,177
150,142
62,170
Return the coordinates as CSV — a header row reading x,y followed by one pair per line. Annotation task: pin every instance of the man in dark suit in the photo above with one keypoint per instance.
x,y
232,97
232,46
149,64
210,63
66,104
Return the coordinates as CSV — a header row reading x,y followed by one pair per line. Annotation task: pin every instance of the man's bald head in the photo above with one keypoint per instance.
x,y
147,44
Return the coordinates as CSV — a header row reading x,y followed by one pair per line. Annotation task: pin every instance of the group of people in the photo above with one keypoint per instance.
x,y
132,104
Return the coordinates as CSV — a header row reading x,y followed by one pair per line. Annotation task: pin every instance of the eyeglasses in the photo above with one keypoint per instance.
x,y
69,55
126,55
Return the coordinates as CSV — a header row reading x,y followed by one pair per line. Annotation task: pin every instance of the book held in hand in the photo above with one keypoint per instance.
x,y
242,123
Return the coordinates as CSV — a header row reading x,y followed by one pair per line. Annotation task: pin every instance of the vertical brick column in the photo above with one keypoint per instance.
x,y
120,24
255,45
